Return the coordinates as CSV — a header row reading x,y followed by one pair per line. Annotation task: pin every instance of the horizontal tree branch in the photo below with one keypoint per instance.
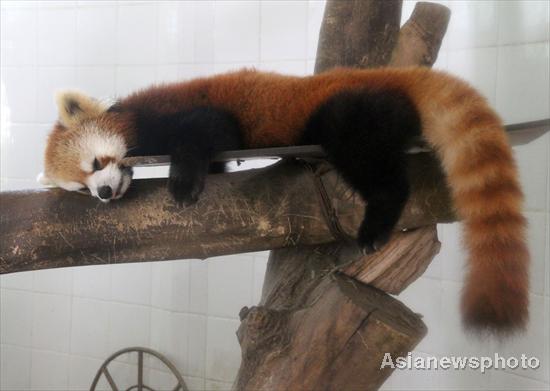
x,y
292,202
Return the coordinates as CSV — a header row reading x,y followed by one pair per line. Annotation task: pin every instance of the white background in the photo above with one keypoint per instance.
x,y
57,326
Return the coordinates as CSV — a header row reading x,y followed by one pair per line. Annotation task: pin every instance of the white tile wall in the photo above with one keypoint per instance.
x,y
521,22
96,46
23,140
198,287
56,31
524,96
533,161
50,370
51,322
196,357
131,283
129,325
473,24
177,29
222,279
58,281
19,92
167,329
90,328
15,365
236,31
16,319
92,282
57,326
18,46
222,350
478,66
136,36
82,371
283,43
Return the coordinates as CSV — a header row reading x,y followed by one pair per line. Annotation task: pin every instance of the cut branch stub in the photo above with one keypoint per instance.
x,y
357,33
325,330
399,263
420,38
336,340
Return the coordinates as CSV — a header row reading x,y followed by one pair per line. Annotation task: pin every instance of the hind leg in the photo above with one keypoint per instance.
x,y
385,196
365,135
383,184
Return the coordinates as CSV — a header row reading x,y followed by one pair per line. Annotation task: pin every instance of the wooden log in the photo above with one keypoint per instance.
x,y
358,33
421,36
318,330
398,264
373,28
331,48
238,212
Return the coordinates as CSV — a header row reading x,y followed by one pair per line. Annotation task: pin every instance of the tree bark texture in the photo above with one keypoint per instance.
x,y
421,36
358,33
292,202
320,330
318,325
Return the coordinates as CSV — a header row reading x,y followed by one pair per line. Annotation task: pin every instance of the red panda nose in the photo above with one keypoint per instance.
x,y
105,192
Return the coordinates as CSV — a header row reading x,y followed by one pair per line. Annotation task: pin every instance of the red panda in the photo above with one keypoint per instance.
x,y
364,119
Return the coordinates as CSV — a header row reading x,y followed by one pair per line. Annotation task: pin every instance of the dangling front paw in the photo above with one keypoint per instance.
x,y
370,242
185,184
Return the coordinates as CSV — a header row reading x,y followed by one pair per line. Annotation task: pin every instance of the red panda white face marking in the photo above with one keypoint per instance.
x,y
101,153
111,182
85,150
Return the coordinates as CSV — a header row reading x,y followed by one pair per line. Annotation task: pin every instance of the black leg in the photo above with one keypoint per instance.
x,y
365,135
383,184
385,202
188,170
217,168
201,134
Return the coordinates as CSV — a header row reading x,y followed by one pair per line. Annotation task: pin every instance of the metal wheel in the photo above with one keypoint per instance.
x,y
139,386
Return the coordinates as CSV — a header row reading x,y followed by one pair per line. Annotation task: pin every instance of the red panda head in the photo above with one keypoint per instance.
x,y
85,149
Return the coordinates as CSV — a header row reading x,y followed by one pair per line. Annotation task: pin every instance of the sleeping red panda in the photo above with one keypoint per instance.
x,y
364,119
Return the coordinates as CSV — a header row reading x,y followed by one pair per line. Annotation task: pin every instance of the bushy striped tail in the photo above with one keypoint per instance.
x,y
483,178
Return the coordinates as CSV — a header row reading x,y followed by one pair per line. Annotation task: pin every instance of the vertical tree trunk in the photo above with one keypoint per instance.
x,y
358,33
320,330
319,326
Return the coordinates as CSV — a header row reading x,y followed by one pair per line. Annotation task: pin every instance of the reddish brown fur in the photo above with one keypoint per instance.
x,y
69,165
456,121
59,144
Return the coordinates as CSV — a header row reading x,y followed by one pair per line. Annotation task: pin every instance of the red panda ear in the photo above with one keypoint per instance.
x,y
74,107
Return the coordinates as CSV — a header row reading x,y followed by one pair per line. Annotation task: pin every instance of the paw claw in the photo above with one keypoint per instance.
x,y
371,243
367,249
185,191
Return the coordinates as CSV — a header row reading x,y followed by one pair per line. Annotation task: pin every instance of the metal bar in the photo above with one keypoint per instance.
x,y
140,371
531,125
520,133
311,151
109,379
